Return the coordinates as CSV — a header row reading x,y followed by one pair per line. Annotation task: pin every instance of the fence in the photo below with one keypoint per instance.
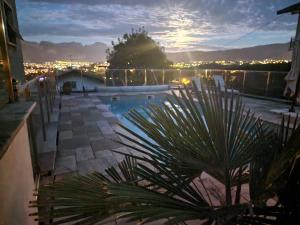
x,y
262,83
42,90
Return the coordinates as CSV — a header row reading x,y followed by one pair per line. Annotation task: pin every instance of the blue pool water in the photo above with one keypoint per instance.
x,y
120,105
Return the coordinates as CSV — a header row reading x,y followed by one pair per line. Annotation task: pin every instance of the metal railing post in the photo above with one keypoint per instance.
x,y
268,83
244,80
163,76
54,88
46,99
125,78
41,109
113,80
48,85
145,82
81,79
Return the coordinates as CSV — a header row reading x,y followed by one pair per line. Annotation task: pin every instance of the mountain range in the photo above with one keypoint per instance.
x,y
43,51
271,51
47,51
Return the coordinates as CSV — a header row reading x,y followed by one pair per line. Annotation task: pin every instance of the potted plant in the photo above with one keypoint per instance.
x,y
67,88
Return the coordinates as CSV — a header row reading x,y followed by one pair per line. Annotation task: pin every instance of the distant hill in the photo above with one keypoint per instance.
x,y
48,51
272,51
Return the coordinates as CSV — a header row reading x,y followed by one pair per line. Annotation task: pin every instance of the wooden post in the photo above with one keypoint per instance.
x,y
163,76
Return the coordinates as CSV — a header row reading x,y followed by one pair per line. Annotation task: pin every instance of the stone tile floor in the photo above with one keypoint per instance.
x,y
86,137
264,109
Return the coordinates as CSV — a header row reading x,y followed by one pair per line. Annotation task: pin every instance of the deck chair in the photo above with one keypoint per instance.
x,y
219,81
197,83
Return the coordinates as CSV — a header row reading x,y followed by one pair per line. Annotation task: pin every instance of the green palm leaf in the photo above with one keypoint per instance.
x,y
190,135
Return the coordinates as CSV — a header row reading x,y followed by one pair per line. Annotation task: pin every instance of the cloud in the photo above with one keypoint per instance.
x,y
174,23
99,2
60,30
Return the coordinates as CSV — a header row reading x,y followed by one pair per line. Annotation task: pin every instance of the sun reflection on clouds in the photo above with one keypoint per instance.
x,y
176,24
182,29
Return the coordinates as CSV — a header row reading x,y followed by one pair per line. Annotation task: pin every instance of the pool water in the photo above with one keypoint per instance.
x,y
120,105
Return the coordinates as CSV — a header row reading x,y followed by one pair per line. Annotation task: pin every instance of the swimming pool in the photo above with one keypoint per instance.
x,y
120,105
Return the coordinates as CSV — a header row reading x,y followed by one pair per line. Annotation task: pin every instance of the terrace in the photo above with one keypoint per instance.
x,y
75,134
62,125
79,136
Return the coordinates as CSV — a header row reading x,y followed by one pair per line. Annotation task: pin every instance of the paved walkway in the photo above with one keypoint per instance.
x,y
86,137
266,109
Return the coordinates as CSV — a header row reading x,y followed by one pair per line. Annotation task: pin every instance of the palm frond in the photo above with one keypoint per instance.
x,y
83,198
210,132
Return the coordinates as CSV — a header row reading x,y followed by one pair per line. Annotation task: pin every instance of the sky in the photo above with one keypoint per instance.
x,y
177,25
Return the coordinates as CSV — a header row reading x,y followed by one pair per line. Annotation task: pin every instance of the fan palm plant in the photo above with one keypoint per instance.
x,y
205,159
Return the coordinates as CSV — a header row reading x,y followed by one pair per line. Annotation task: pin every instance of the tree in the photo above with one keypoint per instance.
x,y
137,50
200,158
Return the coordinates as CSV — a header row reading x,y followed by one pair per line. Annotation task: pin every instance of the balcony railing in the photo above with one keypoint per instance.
x,y
43,91
260,83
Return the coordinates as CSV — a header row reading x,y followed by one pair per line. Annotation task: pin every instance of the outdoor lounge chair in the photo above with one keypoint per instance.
x,y
219,81
197,83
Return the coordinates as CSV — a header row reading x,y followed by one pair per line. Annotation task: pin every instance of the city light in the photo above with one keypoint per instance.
x,y
185,65
37,69
185,81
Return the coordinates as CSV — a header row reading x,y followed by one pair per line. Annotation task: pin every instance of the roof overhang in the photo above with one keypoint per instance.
x,y
293,9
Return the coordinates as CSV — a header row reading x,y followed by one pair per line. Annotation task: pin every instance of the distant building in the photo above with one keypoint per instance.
x,y
79,80
11,60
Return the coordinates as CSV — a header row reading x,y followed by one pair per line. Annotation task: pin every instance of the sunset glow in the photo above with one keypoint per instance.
x,y
178,25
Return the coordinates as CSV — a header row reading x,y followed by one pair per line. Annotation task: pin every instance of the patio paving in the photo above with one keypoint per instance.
x,y
265,109
86,137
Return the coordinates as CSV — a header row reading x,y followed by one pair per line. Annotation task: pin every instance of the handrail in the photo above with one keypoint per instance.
x,y
169,69
22,87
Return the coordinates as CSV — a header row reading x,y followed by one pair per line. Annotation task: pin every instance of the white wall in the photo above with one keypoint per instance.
x,y
16,182
148,88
